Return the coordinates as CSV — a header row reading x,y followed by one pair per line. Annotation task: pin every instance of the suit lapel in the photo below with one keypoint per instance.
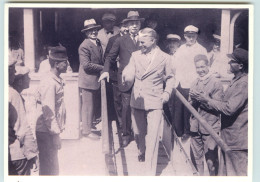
x,y
129,44
157,60
97,50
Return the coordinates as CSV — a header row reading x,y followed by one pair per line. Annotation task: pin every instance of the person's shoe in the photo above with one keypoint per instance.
x,y
125,140
92,136
141,158
185,137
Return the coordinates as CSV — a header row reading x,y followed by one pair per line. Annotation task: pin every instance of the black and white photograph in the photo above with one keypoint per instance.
x,y
128,90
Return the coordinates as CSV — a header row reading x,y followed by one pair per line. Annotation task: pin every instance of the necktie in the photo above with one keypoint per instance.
x,y
134,36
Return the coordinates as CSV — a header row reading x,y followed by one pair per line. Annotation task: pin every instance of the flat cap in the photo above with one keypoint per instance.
x,y
201,57
109,16
191,29
173,37
58,53
240,55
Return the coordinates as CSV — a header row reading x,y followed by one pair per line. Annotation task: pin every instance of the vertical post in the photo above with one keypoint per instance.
x,y
225,37
232,29
29,46
225,29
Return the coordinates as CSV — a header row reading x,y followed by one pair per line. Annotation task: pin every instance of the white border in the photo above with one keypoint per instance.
x,y
174,6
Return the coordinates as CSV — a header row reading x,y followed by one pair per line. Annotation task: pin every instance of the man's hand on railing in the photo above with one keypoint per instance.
x,y
103,76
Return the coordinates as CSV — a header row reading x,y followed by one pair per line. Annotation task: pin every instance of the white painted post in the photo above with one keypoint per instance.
x,y
29,46
225,38
225,29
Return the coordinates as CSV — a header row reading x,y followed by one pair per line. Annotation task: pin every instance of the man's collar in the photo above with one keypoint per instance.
x,y
237,78
206,78
55,77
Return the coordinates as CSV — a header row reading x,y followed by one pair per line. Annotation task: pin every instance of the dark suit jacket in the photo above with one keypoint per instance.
x,y
122,47
113,66
91,64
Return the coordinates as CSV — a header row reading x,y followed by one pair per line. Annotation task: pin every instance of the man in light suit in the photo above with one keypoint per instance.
x,y
148,69
123,47
90,57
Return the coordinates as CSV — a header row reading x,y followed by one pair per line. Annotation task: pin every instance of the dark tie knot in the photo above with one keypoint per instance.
x,y
98,42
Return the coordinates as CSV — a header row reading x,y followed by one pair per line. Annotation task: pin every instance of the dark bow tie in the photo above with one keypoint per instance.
x,y
112,32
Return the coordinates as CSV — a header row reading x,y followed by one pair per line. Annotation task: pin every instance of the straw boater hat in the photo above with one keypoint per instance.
x,y
90,24
133,16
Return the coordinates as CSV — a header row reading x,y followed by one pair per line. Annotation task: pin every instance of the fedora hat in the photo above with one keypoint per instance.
x,y
133,16
90,24
239,55
109,17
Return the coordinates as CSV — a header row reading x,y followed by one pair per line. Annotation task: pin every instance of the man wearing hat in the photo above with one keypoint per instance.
x,y
109,29
172,43
91,64
123,47
202,144
185,75
234,113
51,120
214,56
22,146
112,90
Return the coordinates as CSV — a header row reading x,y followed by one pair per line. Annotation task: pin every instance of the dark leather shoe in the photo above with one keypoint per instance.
x,y
125,140
92,136
141,158
185,137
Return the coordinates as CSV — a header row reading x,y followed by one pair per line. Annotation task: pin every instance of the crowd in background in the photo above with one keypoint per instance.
x,y
143,73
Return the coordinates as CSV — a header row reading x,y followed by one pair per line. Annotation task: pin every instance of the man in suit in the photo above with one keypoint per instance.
x,y
148,69
90,57
123,47
114,95
109,29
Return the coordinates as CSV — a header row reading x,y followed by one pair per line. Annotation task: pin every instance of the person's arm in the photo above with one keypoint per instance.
x,y
88,66
112,55
235,102
47,91
169,80
128,73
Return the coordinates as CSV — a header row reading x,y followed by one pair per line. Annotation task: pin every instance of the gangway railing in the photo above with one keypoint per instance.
x,y
225,148
104,115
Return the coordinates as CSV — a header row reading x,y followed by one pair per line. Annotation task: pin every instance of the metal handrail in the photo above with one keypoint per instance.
x,y
105,128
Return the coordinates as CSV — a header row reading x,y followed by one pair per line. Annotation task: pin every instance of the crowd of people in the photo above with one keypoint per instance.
x,y
142,78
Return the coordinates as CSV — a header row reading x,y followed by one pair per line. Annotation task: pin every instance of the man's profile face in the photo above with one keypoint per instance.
x,y
108,25
26,81
202,68
190,38
134,26
62,66
146,43
234,66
